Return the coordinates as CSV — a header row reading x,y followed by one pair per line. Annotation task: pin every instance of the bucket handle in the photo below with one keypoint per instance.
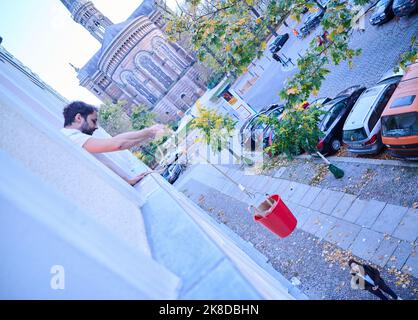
x,y
255,211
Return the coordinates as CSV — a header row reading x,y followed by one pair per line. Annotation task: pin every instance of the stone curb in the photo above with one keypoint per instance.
x,y
398,163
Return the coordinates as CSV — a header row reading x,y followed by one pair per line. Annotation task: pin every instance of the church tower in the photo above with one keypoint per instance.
x,y
86,14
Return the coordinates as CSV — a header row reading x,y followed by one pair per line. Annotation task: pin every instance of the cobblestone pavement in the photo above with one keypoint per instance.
x,y
381,47
318,265
382,182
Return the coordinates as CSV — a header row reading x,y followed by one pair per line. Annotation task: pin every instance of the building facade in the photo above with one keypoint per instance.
x,y
136,62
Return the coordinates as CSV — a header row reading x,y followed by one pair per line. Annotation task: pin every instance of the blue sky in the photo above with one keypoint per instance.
x,y
42,34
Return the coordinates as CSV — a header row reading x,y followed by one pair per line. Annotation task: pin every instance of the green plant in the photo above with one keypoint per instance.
x,y
141,117
113,118
410,56
295,132
216,128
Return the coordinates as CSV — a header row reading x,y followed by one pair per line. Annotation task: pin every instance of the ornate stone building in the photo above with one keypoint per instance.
x,y
136,62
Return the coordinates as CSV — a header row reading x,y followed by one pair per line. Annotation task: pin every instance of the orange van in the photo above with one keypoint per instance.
x,y
400,117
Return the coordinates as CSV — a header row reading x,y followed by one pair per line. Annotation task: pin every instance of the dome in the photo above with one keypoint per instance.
x,y
146,7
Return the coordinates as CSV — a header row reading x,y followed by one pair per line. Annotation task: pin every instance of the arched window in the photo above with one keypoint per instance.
x,y
144,61
163,49
129,78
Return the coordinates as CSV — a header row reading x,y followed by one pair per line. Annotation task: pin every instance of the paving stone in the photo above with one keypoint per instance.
x,y
332,201
354,212
310,196
249,181
411,265
343,233
279,172
283,187
290,190
302,214
298,211
317,223
344,204
301,190
371,212
408,227
366,243
385,250
274,186
311,224
401,254
261,184
320,200
389,218
326,222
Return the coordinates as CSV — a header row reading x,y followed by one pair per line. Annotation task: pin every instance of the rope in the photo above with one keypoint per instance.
x,y
251,195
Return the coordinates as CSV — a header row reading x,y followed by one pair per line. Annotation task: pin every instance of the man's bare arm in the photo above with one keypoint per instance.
x,y
122,141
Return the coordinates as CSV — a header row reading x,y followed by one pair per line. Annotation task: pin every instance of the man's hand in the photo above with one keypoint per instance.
x,y
135,180
375,288
157,131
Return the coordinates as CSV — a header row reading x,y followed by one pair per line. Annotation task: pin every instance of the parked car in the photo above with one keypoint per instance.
x,y
404,7
382,13
362,129
278,43
249,133
316,102
172,172
332,122
311,22
400,117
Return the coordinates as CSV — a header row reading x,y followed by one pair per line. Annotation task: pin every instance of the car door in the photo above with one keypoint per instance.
x,y
338,115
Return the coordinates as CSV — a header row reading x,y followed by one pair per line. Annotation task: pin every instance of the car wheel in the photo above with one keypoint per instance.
x,y
336,145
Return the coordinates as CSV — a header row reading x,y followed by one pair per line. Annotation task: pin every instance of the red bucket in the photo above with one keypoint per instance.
x,y
276,216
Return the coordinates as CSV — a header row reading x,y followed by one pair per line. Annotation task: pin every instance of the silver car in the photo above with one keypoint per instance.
x,y
362,129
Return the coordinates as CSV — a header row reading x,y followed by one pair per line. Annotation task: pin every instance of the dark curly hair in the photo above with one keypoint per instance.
x,y
71,110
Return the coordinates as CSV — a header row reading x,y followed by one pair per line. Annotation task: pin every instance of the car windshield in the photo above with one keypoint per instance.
x,y
354,135
400,125
278,39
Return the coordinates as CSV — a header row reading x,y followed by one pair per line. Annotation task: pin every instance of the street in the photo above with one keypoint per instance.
x,y
371,214
381,47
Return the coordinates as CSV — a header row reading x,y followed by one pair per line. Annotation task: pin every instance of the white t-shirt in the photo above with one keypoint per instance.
x,y
80,138
76,135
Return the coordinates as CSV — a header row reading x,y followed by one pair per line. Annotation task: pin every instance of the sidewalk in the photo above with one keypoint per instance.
x,y
380,232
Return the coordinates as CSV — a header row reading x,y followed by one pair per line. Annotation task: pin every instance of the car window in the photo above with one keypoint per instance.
x,y
381,104
374,117
332,115
354,135
402,102
400,125
275,113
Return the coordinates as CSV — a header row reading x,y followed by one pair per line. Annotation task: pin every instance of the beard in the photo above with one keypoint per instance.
x,y
85,128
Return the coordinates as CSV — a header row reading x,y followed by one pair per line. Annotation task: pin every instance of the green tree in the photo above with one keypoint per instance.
x,y
141,117
410,56
231,32
216,128
113,118
297,131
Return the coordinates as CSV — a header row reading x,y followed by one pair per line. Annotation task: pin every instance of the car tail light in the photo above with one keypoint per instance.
x,y
372,140
320,145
